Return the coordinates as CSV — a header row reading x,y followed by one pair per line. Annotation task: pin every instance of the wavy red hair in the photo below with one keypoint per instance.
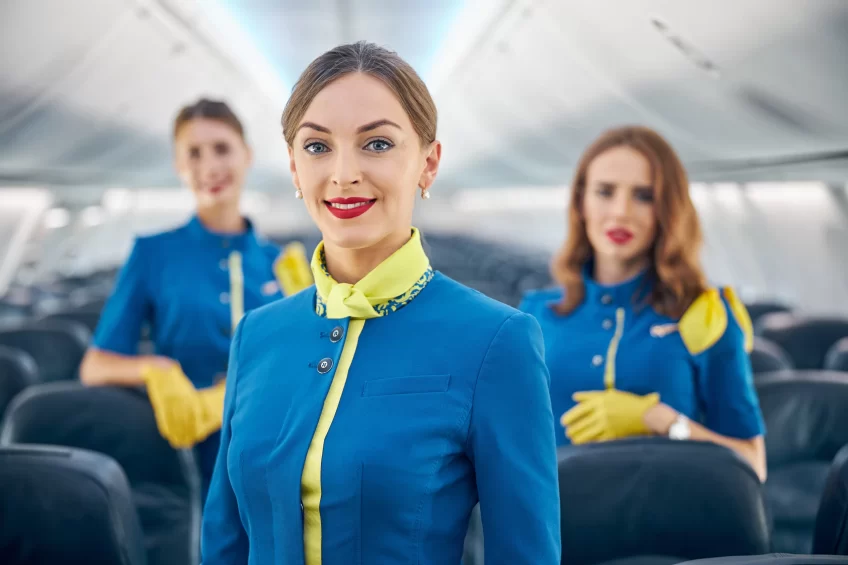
x,y
676,272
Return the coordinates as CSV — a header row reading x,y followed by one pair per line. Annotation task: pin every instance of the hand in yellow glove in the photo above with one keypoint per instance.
x,y
212,408
292,269
607,415
184,416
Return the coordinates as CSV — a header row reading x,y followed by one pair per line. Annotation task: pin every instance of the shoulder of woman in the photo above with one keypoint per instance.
x,y
540,297
717,313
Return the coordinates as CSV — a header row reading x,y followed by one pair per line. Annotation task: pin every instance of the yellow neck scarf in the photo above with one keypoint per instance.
x,y
394,282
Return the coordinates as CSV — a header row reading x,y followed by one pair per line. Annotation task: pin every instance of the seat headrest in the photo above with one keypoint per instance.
x,y
767,357
87,318
805,415
17,371
62,505
831,534
837,356
656,496
805,339
773,559
757,310
57,346
111,420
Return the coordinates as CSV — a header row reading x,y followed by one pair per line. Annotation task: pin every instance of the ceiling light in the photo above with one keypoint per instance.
x,y
56,218
688,49
92,216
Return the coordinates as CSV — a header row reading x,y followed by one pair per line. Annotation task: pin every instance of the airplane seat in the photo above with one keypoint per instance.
x,y
57,346
805,339
498,271
837,356
807,424
767,357
758,309
12,314
655,498
119,422
88,317
17,371
831,534
60,505
773,559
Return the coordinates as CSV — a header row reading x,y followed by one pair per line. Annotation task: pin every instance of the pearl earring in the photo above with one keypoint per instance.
x,y
298,194
425,194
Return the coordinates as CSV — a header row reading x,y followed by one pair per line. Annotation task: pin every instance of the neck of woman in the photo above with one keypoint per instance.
x,y
352,265
609,272
222,220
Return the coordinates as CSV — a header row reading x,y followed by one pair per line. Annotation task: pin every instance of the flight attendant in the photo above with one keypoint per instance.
x,y
636,341
191,285
366,416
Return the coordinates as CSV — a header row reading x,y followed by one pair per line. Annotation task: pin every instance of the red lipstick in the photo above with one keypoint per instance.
x,y
619,236
347,208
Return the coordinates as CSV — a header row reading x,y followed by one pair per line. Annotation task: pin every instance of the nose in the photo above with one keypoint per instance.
x,y
209,166
622,204
347,172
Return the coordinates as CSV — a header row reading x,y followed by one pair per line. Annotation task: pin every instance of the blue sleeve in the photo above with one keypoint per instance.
x,y
512,446
726,383
223,540
526,304
129,306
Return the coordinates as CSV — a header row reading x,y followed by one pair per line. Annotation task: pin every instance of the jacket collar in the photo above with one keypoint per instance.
x,y
625,294
219,240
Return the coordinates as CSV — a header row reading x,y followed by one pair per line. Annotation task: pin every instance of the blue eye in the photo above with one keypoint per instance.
x,y
316,148
379,145
645,195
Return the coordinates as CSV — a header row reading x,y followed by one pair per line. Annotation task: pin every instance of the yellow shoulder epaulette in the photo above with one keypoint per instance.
x,y
740,314
292,269
703,324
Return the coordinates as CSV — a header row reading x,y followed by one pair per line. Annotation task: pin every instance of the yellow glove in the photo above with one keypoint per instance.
x,y
212,404
607,415
292,269
184,416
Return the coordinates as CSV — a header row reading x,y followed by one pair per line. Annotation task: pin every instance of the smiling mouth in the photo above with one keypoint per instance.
x,y
619,236
347,208
340,206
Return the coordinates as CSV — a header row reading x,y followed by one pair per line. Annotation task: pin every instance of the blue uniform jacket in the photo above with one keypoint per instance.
x,y
446,402
612,341
178,284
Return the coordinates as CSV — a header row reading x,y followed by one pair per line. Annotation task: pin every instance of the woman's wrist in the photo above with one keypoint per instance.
x,y
659,418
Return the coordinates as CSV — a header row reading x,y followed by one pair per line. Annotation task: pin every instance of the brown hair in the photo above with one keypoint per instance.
x,y
675,270
370,59
210,110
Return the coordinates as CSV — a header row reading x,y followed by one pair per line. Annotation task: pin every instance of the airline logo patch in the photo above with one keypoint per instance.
x,y
270,288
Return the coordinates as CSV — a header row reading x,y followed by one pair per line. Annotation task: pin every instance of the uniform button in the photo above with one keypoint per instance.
x,y
606,299
607,324
597,360
224,298
325,365
336,334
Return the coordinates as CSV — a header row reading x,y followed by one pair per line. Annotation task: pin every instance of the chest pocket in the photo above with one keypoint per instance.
x,y
406,385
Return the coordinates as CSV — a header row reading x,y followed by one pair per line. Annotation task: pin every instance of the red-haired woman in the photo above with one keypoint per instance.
x,y
636,341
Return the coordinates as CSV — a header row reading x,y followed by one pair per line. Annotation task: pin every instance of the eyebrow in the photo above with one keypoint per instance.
x,y
361,129
312,125
375,125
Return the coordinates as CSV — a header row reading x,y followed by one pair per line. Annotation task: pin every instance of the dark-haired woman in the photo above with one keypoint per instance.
x,y
636,342
191,285
365,417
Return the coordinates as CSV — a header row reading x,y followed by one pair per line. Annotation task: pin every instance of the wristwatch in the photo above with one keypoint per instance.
x,y
680,428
